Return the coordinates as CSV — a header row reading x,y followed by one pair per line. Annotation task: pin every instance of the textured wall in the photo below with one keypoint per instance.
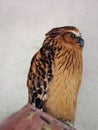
x,y
23,24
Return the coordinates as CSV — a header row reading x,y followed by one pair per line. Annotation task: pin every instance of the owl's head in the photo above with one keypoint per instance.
x,y
70,35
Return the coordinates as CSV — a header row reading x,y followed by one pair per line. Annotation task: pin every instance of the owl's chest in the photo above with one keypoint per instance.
x,y
67,74
63,89
68,65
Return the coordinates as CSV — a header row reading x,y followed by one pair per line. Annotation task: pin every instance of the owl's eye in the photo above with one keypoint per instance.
x,y
72,35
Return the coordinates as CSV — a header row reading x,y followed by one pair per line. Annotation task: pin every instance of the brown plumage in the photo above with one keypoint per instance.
x,y
55,73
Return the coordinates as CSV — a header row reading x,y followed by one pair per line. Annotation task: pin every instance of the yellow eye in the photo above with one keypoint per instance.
x,y
73,35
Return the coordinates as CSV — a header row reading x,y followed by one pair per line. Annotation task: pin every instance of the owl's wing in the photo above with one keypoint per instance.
x,y
40,74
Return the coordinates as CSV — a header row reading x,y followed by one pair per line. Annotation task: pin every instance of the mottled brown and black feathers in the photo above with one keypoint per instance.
x,y
55,73
40,74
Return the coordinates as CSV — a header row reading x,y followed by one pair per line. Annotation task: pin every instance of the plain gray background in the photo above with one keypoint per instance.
x,y
23,24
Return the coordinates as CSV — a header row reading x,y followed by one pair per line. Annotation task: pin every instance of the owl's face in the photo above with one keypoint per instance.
x,y
70,35
73,37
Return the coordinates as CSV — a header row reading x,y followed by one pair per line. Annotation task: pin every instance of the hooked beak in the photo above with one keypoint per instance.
x,y
80,41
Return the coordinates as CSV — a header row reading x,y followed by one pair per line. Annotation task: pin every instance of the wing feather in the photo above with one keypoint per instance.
x,y
39,75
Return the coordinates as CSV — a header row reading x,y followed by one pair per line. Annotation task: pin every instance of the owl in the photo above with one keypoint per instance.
x,y
55,73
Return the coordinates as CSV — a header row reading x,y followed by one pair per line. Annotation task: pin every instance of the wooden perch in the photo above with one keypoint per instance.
x,y
30,118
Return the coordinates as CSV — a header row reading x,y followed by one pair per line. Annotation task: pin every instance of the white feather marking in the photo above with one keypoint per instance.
x,y
77,34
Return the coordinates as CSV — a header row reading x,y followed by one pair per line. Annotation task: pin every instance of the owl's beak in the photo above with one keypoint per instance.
x,y
80,41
